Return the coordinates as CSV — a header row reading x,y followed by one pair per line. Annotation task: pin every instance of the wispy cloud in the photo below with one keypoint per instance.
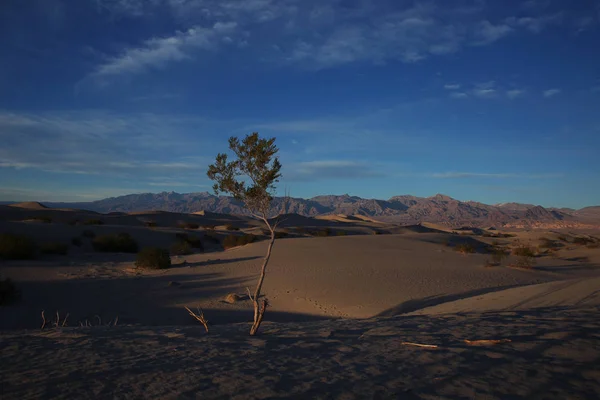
x,y
514,93
484,93
488,33
452,86
551,92
330,169
459,95
157,52
459,175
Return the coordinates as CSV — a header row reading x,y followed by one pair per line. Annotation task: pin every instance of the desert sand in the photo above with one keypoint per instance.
x,y
397,315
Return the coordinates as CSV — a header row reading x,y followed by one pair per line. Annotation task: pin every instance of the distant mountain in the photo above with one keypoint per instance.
x,y
405,209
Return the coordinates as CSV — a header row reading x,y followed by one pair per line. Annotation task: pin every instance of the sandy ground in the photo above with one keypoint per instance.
x,y
341,311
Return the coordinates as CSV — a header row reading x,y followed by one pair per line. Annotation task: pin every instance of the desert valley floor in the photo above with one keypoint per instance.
x,y
372,310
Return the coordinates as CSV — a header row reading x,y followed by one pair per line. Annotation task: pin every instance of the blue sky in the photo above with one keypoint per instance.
x,y
492,101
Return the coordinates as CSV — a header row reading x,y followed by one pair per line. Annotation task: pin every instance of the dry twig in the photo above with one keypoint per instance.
x,y
427,346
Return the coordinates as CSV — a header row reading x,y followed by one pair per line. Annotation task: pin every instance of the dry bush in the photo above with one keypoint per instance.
x,y
191,241
153,258
234,240
54,248
465,248
188,225
209,227
525,261
115,243
16,247
523,251
8,292
549,244
498,254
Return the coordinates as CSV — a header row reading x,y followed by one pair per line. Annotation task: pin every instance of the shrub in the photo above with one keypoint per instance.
x,y
189,225
465,248
93,222
181,248
191,241
54,248
341,233
525,262
209,227
8,292
153,258
16,247
230,227
88,234
76,241
116,243
523,251
562,238
233,240
498,255
549,244
321,232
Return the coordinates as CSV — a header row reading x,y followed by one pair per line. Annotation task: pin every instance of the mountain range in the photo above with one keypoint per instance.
x,y
403,209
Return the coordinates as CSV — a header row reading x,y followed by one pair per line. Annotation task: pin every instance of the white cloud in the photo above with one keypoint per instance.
x,y
514,93
551,92
329,169
487,33
157,52
484,93
459,95
535,24
452,86
458,175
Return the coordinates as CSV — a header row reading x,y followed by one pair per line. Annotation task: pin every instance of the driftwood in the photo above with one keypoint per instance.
x,y
427,346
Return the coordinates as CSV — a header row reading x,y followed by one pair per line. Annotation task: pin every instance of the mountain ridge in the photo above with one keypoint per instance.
x,y
402,209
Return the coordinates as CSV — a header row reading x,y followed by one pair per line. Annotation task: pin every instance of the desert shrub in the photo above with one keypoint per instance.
x,y
189,225
234,240
93,222
549,244
498,255
523,251
54,248
230,227
16,247
115,243
507,235
76,241
464,248
340,233
153,258
562,238
181,248
192,241
209,227
8,292
88,234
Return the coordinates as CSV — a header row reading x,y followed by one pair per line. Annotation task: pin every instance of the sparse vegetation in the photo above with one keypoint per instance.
x,y
8,292
238,240
153,258
465,248
230,227
549,244
191,241
209,227
523,251
341,233
181,248
525,261
16,247
323,232
189,225
93,222
115,243
498,254
582,241
54,248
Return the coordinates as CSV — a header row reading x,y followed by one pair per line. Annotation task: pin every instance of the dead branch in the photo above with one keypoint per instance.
x,y
43,320
199,317
65,321
259,316
249,294
427,346
485,342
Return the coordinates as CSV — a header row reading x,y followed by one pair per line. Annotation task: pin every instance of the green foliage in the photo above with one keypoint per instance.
x,y
54,248
465,248
16,247
8,292
93,222
153,258
76,241
88,234
115,243
235,240
255,158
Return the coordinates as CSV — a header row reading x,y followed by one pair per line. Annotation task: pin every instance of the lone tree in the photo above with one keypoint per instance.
x,y
251,178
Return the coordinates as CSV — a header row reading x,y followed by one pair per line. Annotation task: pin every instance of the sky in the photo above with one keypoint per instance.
x,y
485,100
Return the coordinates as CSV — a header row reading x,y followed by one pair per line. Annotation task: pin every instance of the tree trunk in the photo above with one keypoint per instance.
x,y
258,311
